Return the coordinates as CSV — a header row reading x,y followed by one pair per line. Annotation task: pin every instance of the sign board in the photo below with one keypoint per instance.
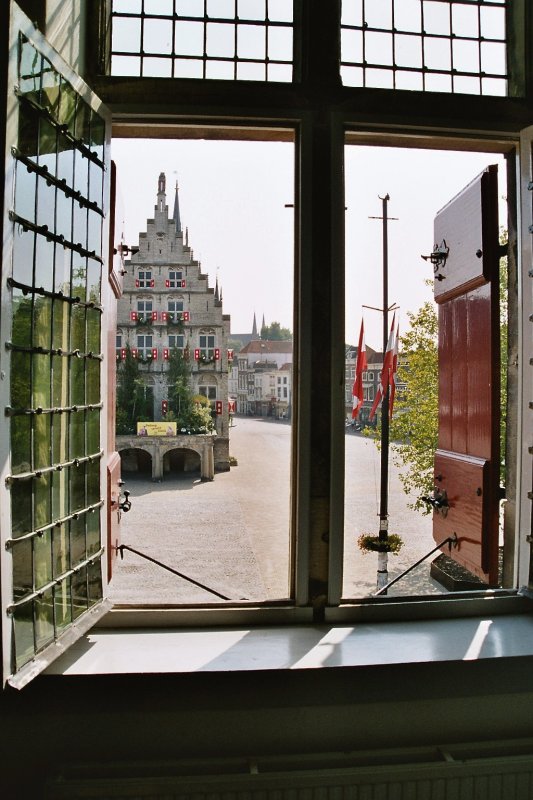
x,y
156,429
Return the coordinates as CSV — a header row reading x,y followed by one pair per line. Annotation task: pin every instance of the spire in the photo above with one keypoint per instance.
x,y
263,324
254,329
161,193
176,214
216,291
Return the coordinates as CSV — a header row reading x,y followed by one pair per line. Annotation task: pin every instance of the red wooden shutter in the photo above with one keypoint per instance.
x,y
467,292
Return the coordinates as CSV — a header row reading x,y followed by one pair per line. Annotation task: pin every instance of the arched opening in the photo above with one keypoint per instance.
x,y
136,461
181,460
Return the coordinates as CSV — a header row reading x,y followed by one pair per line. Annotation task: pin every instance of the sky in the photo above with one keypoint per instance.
x,y
233,200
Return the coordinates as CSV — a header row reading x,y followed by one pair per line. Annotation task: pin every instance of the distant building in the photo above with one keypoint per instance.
x,y
167,303
262,377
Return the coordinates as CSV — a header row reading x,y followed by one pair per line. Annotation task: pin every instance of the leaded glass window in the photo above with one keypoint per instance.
x,y
55,357
452,46
221,39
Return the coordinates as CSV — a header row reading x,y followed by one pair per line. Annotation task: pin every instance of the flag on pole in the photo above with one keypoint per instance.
x,y
394,371
360,367
386,373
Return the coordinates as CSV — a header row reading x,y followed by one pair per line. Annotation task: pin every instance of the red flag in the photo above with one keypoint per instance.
x,y
361,366
386,372
394,372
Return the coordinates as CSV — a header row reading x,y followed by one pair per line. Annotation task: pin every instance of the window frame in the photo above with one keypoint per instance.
x,y
310,107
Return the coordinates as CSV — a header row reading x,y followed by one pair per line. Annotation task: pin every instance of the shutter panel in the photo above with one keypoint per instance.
x,y
467,459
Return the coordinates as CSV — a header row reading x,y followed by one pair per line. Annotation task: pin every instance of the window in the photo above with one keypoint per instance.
x,y
207,345
175,309
318,459
53,500
144,310
425,46
144,345
208,391
176,340
175,280
204,40
144,280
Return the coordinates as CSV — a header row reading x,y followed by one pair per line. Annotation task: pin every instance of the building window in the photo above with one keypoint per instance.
x,y
177,341
254,44
175,279
144,310
449,46
144,280
208,391
144,345
175,309
207,345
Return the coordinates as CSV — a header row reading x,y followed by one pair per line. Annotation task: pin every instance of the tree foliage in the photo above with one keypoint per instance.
x,y
275,333
134,399
414,426
191,412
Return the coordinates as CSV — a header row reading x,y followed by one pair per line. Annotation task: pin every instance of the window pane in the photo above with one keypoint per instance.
x,y
23,250
367,169
157,36
20,444
79,593
22,569
250,181
63,604
25,187
42,559
23,631
44,619
21,507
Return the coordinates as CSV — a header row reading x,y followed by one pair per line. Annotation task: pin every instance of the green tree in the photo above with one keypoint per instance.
x,y
134,399
414,426
179,393
275,333
192,413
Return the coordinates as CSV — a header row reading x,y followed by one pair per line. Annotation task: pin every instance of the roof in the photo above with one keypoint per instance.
x,y
267,346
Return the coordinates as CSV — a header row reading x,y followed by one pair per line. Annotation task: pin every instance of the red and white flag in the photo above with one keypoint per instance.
x,y
360,367
386,372
394,372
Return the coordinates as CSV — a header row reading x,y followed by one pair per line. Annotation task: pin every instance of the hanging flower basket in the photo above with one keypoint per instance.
x,y
370,543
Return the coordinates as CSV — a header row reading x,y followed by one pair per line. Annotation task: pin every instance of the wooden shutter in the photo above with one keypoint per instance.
x,y
467,459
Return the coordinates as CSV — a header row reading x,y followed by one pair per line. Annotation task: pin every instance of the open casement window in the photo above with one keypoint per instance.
x,y
53,508
466,497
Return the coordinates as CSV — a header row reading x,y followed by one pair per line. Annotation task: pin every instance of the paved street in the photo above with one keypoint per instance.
x,y
231,534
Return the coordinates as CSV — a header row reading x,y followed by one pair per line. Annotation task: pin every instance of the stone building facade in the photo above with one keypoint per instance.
x,y
167,303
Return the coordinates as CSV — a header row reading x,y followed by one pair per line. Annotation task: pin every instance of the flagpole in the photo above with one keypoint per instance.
x,y
383,559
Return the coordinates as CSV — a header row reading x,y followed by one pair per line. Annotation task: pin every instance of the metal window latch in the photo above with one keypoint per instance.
x,y
438,500
438,259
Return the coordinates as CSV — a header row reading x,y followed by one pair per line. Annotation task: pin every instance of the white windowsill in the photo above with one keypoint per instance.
x,y
243,648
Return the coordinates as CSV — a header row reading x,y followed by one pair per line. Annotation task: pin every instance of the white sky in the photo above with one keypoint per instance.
x,y
232,199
